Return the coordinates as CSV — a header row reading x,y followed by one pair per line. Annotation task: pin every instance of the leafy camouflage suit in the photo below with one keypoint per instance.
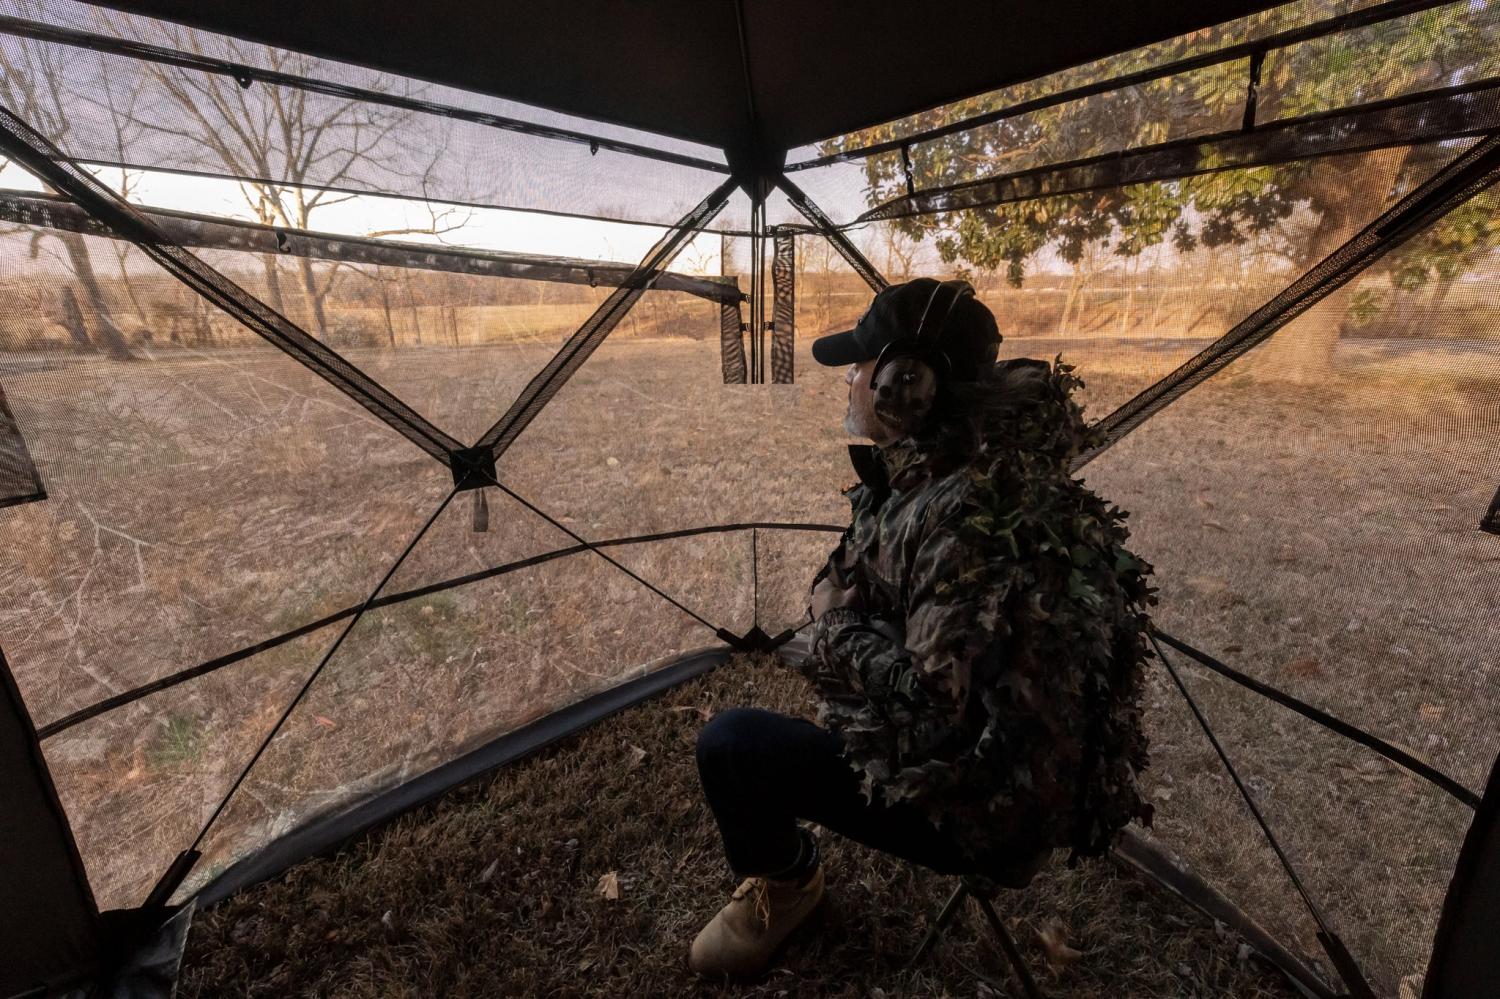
x,y
991,675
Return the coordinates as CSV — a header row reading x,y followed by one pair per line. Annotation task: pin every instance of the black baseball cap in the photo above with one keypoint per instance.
x,y
969,337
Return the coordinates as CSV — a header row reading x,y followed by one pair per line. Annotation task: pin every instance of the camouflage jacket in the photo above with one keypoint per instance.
x,y
991,674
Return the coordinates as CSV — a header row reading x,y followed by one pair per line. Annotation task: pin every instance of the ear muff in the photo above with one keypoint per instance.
x,y
910,371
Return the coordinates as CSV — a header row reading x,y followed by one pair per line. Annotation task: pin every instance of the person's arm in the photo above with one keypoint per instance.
x,y
897,690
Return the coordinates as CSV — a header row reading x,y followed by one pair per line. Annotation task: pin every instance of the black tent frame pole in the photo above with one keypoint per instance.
x,y
244,75
1468,174
1243,50
1339,954
823,224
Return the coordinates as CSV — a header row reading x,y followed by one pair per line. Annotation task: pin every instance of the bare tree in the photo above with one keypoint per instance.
x,y
33,84
291,151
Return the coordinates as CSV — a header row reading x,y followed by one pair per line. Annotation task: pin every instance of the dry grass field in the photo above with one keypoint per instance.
x,y
1320,538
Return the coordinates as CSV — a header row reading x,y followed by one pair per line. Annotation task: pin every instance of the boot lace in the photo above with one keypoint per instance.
x,y
760,899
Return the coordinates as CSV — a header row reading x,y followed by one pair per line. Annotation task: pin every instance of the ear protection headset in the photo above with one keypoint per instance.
x,y
910,370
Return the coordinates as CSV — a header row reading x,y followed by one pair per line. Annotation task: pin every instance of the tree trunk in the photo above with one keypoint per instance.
x,y
72,319
273,283
1343,191
385,306
105,335
314,299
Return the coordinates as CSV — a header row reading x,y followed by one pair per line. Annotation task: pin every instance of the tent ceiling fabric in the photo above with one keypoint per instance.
x,y
675,67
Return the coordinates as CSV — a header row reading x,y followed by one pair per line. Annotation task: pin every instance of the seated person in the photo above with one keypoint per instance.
x,y
978,637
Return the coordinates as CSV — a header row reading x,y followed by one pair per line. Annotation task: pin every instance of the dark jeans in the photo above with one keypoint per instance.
x,y
762,771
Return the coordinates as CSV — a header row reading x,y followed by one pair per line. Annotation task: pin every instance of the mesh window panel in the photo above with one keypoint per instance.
x,y
1132,303
647,438
1450,44
1311,512
457,348
283,142
206,490
139,782
417,684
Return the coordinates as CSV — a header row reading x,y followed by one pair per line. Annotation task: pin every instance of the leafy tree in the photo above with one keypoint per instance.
x,y
1301,210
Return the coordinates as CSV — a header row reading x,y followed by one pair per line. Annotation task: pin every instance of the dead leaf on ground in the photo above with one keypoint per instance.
x,y
609,886
1307,666
1229,649
704,713
489,872
637,757
1055,945
1215,525
325,722
1431,712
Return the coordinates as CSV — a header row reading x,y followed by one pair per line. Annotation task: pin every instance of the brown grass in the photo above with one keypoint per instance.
x,y
494,891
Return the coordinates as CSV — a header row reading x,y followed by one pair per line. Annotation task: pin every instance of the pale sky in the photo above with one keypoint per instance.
x,y
366,214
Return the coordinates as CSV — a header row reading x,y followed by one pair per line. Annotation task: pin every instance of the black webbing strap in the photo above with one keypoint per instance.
x,y
783,308
1468,174
37,154
245,74
1461,111
582,344
183,863
20,482
1338,954
832,233
732,342
1491,521
1353,733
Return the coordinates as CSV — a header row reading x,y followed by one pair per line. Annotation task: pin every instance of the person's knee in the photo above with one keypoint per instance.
x,y
729,735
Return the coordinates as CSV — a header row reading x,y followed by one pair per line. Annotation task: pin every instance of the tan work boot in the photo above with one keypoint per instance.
x,y
744,937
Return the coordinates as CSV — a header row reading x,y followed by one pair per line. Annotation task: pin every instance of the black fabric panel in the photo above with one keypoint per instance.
x,y
19,480
187,229
1491,519
324,834
783,309
1465,961
732,342
34,151
675,67
1468,110
49,925
1466,175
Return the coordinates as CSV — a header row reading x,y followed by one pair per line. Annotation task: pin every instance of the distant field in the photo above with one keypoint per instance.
x,y
1322,539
